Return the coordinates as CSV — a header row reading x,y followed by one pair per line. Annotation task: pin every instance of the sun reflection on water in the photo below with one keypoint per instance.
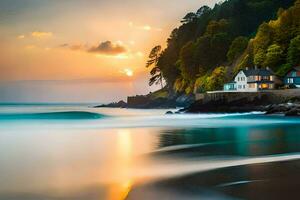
x,y
123,166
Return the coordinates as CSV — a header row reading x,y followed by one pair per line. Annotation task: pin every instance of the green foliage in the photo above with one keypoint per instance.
x,y
277,43
237,47
201,84
213,81
189,89
159,94
180,85
274,56
215,27
187,63
246,61
156,75
190,17
283,70
153,56
217,79
259,57
217,36
293,56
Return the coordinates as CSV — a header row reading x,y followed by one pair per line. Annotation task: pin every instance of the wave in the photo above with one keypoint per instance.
x,y
66,115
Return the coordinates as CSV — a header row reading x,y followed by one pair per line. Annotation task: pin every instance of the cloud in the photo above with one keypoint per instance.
x,y
116,49
75,47
41,35
21,37
108,48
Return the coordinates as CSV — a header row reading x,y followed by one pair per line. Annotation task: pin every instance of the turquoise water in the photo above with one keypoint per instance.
x,y
80,152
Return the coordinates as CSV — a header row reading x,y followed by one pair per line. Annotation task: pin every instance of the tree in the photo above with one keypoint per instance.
x,y
274,56
259,58
217,79
293,56
204,41
237,47
215,27
156,75
190,17
202,11
187,62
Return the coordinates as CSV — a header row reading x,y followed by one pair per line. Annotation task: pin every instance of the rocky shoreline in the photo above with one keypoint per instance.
x,y
265,104
120,104
285,109
151,102
288,109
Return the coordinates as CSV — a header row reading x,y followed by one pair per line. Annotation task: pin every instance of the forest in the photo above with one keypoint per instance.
x,y
213,44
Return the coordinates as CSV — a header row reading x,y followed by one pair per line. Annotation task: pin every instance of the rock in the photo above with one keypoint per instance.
x,y
169,113
240,106
120,104
278,109
185,100
293,112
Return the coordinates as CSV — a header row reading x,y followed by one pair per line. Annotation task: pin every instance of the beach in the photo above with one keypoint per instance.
x,y
75,151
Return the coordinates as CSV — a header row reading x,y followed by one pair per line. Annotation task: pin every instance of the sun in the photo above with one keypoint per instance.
x,y
128,72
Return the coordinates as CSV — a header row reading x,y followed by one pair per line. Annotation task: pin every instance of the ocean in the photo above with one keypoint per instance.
x,y
75,151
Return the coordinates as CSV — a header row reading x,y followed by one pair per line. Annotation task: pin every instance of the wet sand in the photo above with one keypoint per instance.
x,y
278,180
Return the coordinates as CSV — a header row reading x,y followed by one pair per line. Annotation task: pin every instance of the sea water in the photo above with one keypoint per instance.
x,y
53,151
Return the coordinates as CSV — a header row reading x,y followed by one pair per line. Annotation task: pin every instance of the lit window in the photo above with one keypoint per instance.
x,y
264,86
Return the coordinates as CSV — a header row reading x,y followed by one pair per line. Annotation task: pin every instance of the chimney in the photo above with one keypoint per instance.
x,y
247,68
255,67
268,68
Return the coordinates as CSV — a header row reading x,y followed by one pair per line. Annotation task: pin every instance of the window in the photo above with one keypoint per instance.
x,y
290,80
264,86
294,74
252,85
244,86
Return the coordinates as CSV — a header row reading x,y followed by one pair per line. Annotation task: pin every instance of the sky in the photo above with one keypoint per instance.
x,y
82,50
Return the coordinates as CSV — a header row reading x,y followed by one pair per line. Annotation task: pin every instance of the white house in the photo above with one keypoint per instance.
x,y
252,80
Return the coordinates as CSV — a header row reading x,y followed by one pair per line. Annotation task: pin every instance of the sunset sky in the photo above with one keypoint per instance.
x,y
82,50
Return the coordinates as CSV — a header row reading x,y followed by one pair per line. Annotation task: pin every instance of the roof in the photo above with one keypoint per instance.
x,y
258,72
232,82
294,68
288,75
297,68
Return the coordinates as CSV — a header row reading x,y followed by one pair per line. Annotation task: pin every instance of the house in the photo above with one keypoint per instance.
x,y
231,86
252,80
292,78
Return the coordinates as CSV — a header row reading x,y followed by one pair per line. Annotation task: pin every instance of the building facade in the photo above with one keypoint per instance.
x,y
292,78
252,80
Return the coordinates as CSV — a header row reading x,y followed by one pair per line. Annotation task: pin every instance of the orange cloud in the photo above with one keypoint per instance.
x,y
41,35
21,37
